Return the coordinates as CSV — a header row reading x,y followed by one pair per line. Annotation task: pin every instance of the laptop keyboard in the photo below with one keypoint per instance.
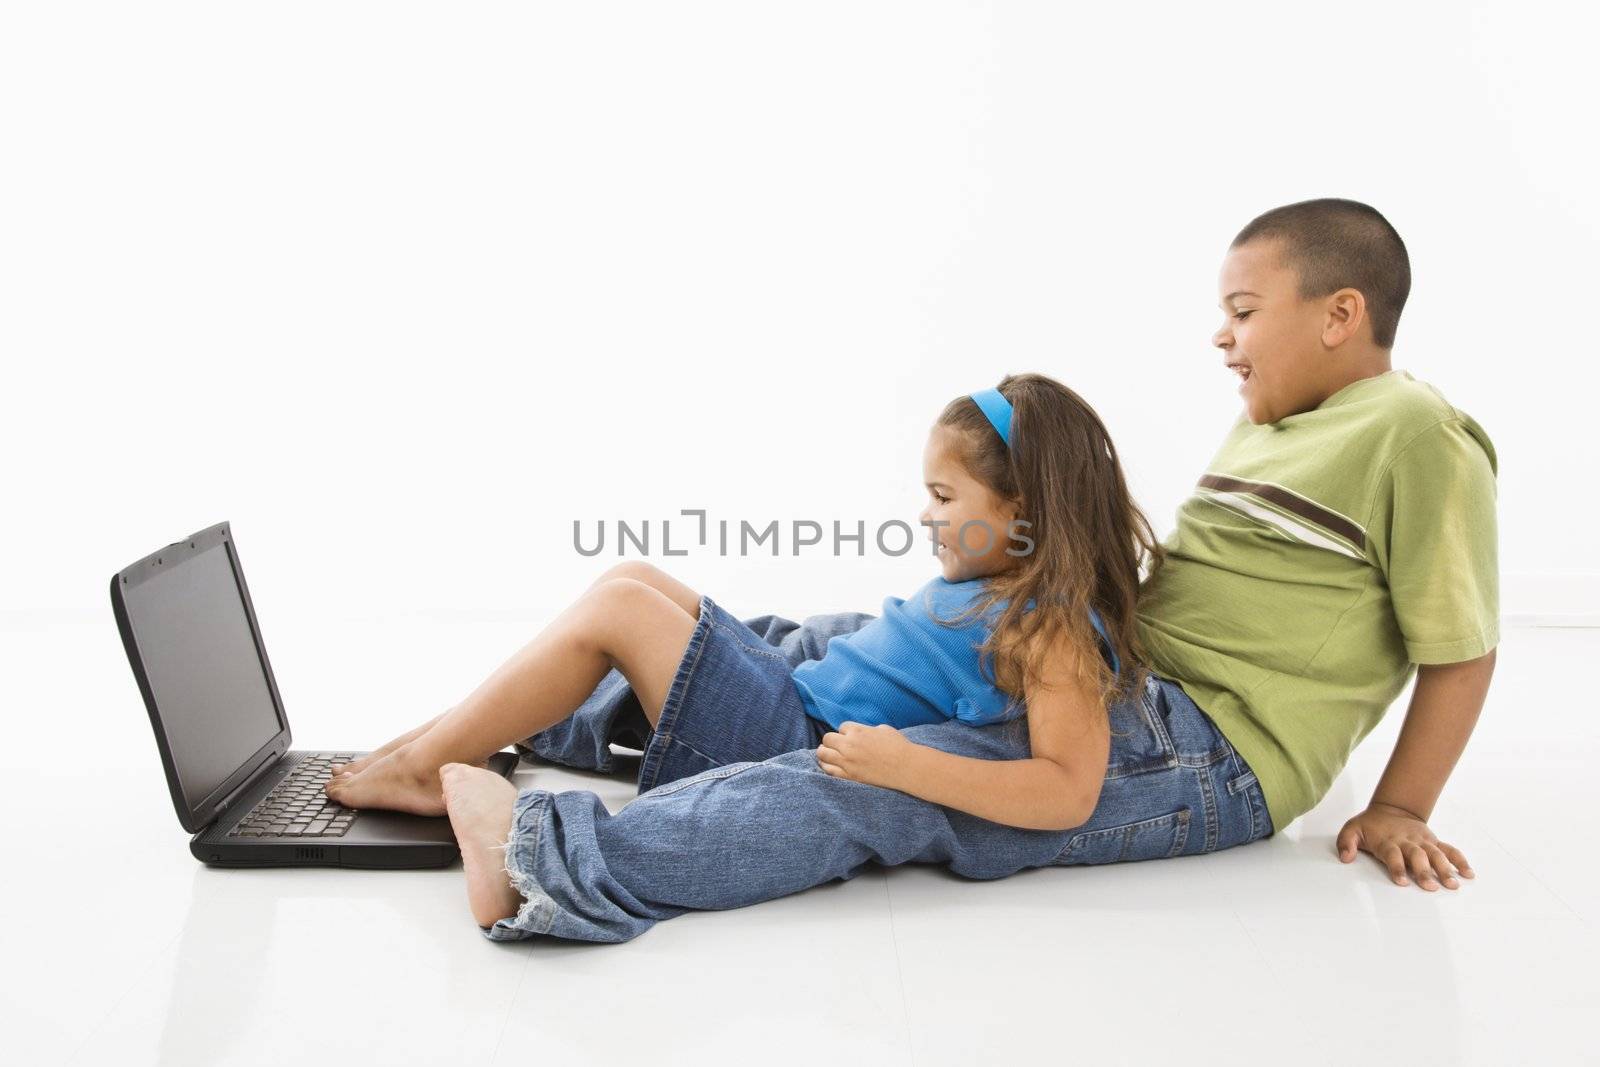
x,y
297,806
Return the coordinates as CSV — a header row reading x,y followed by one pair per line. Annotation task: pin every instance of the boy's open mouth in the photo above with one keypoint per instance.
x,y
1243,372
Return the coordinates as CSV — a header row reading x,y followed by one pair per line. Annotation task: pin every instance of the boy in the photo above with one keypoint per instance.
x,y
1344,531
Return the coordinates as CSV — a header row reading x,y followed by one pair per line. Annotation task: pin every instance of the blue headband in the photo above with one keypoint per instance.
x,y
997,409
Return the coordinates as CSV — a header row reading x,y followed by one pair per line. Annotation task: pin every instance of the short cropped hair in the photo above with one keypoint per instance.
x,y
1334,244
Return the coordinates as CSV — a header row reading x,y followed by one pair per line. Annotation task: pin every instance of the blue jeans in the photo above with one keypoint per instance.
x,y
727,815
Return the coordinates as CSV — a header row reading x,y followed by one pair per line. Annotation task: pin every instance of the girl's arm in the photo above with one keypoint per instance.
x,y
1035,794
1057,788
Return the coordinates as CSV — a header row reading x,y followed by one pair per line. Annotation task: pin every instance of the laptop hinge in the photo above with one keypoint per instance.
x,y
252,779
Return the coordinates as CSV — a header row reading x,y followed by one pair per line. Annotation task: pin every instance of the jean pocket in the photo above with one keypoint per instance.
x,y
1148,839
1140,740
1255,801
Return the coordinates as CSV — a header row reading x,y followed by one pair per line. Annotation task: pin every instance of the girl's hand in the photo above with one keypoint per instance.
x,y
872,754
1396,839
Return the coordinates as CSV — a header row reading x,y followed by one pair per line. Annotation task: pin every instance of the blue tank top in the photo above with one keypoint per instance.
x,y
905,669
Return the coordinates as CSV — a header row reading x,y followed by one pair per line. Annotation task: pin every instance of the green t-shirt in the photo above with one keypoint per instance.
x,y
1318,559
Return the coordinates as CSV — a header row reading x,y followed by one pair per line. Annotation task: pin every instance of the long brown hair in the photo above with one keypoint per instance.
x,y
1090,540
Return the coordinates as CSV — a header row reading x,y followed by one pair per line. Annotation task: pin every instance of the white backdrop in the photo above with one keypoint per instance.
x,y
401,290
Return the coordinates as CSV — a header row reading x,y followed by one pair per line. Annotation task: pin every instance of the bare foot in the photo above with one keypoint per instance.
x,y
481,804
347,773
397,782
360,763
356,766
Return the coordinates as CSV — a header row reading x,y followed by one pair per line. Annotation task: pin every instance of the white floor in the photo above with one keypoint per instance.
x,y
119,948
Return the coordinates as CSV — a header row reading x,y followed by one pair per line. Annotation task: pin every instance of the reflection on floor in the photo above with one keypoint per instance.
x,y
120,949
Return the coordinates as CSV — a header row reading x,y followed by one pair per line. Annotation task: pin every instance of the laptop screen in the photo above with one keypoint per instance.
x,y
204,672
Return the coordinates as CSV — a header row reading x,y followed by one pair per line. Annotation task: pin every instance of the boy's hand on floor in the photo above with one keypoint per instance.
x,y
1398,839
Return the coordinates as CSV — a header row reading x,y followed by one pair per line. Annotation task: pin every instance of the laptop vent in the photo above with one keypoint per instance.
x,y
310,853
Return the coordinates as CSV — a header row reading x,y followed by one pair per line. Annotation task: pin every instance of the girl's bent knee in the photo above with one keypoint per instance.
x,y
634,570
620,593
617,608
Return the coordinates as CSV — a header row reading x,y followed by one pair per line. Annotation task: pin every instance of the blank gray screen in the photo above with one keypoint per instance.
x,y
209,685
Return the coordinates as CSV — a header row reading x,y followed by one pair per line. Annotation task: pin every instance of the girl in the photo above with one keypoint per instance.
x,y
1040,549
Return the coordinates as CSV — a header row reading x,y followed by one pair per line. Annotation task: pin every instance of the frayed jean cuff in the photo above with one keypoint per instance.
x,y
538,910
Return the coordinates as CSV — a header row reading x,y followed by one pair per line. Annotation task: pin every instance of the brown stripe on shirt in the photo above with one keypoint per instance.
x,y
1289,502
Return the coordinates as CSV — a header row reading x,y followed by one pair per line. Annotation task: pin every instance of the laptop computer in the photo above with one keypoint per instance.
x,y
191,635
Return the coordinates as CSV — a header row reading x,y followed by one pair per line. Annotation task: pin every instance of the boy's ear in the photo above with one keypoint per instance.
x,y
1346,311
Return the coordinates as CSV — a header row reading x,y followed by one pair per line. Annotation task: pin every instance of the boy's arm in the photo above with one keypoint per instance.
x,y
1445,705
1435,537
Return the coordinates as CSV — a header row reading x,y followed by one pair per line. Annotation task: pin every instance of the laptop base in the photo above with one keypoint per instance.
x,y
380,840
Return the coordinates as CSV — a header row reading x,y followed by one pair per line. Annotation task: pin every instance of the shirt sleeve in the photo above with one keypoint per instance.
x,y
1440,549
